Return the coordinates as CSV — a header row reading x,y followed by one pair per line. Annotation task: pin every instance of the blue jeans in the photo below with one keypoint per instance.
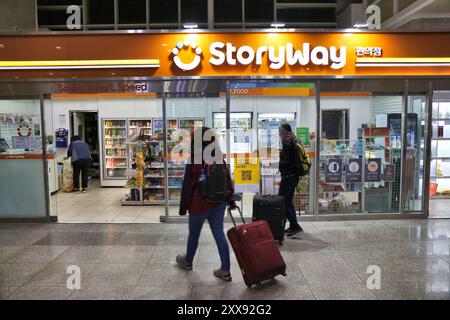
x,y
215,219
287,189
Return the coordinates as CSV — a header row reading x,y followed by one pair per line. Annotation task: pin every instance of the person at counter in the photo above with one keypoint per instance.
x,y
81,158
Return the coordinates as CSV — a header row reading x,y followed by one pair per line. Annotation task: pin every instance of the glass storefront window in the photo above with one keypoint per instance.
x,y
256,151
187,112
360,153
22,180
415,153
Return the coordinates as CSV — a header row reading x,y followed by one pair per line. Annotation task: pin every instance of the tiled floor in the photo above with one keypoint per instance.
x,y
439,208
136,261
101,205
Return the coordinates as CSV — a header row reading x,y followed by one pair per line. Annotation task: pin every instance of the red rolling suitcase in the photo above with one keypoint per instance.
x,y
256,251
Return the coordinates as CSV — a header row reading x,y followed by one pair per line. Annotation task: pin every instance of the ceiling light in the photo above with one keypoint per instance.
x,y
190,26
361,25
278,24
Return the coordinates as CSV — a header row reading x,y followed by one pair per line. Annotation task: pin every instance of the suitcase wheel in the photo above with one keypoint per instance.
x,y
284,274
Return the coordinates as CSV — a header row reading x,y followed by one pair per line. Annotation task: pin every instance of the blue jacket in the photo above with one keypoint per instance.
x,y
79,150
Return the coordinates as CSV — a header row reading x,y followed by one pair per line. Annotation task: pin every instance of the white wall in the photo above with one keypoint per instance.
x,y
359,110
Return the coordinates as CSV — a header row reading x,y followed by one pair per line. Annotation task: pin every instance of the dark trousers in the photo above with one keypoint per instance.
x,y
287,189
81,166
215,219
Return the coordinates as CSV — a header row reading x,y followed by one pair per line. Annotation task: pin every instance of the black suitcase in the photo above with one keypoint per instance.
x,y
271,208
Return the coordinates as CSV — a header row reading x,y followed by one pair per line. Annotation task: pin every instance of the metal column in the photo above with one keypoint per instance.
x,y
404,132
427,151
227,120
44,158
166,155
317,152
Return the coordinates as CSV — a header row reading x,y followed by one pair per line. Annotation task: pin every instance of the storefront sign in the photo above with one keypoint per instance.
x,y
354,170
334,171
373,170
245,54
120,87
303,135
277,56
389,173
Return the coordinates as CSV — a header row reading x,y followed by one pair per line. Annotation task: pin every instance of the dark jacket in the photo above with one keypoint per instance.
x,y
288,158
79,150
191,198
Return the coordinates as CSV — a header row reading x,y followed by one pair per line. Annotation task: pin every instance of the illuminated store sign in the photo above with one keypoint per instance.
x,y
226,54
278,56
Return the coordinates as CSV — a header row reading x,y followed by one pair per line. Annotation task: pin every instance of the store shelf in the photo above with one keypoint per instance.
x,y
161,187
339,191
112,157
440,158
159,202
442,177
441,119
438,197
116,167
441,139
130,203
115,127
181,177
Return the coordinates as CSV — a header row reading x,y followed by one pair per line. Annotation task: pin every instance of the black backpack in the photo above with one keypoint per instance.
x,y
214,187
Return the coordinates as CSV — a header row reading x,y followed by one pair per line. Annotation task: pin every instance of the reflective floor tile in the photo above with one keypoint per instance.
x,y
81,239
332,271
41,293
6,292
342,292
16,274
114,275
7,252
439,248
408,290
165,275
168,254
39,254
17,238
438,291
84,254
56,274
232,291
140,239
129,254
158,293
101,293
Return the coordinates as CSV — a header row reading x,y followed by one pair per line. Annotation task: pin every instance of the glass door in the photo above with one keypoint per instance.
x,y
415,153
183,114
255,167
23,162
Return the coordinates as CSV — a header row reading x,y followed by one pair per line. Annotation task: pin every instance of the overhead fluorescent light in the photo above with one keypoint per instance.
x,y
190,26
78,64
360,25
278,24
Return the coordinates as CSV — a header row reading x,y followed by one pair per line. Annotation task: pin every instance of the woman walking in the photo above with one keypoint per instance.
x,y
200,208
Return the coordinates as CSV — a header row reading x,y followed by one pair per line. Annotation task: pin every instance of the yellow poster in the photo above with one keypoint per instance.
x,y
246,171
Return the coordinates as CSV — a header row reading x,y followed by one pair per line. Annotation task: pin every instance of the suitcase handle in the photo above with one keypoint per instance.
x,y
231,215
